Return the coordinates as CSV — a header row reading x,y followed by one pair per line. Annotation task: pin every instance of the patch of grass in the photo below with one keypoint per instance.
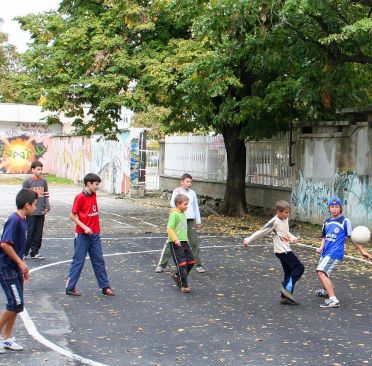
x,y
18,180
52,179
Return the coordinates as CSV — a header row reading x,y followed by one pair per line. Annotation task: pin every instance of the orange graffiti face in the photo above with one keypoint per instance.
x,y
17,156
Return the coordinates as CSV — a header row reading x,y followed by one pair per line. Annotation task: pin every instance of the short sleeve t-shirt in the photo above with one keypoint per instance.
x,y
85,206
335,231
14,233
178,222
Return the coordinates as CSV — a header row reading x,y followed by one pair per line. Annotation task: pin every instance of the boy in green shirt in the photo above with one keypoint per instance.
x,y
177,239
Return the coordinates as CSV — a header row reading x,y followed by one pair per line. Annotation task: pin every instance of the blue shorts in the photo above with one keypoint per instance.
x,y
327,264
11,281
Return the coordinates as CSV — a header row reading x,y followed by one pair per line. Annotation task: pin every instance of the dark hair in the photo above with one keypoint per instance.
x,y
180,198
25,196
36,163
185,176
91,178
282,206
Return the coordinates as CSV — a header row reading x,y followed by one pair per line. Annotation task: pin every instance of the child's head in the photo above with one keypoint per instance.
x,y
37,168
26,200
282,209
186,181
91,182
335,206
181,201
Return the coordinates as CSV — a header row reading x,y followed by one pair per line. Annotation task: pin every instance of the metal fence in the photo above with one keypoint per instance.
x,y
204,157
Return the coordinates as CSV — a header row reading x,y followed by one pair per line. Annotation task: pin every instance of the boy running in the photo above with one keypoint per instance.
x,y
332,249
13,270
292,267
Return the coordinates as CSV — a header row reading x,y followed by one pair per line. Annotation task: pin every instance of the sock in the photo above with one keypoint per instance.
x,y
333,298
289,285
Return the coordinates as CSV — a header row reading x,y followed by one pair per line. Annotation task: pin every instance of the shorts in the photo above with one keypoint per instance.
x,y
327,264
11,281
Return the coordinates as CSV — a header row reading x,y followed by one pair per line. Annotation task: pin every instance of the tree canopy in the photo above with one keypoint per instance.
x,y
243,68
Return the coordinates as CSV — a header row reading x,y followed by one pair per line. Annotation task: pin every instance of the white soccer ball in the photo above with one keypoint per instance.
x,y
360,235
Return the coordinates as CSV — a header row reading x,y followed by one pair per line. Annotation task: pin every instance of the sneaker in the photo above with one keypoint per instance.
x,y
107,291
200,269
287,294
11,344
37,256
330,304
73,292
321,293
176,279
25,257
159,269
1,350
185,290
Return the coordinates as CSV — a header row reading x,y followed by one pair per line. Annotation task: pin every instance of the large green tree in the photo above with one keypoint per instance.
x,y
237,67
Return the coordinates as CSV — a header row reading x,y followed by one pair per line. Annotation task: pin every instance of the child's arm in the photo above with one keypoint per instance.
x,y
46,197
320,249
75,218
266,230
9,251
172,235
363,251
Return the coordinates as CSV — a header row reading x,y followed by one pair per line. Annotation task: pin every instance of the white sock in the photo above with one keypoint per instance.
x,y
333,298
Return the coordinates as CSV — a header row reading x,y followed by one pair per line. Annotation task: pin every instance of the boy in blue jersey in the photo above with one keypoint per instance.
x,y
332,249
13,270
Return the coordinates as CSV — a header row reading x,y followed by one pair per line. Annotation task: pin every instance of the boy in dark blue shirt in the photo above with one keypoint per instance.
x,y
13,270
332,248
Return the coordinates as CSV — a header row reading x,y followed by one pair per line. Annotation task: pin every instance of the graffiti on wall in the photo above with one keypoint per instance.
x,y
17,153
309,197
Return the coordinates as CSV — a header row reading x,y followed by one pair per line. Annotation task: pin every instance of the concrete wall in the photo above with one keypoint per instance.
x,y
256,195
334,158
116,162
23,142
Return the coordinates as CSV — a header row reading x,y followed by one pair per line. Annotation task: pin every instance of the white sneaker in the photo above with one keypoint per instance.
x,y
200,269
10,343
37,256
159,269
330,304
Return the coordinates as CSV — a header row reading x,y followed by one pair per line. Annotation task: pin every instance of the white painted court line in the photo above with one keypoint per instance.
x,y
32,330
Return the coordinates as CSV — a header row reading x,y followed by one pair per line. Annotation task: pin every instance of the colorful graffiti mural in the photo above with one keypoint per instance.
x,y
17,153
309,197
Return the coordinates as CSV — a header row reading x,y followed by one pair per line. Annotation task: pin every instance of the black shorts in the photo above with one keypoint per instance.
x,y
11,281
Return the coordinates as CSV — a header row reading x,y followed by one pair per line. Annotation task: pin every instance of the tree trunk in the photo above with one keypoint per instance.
x,y
234,202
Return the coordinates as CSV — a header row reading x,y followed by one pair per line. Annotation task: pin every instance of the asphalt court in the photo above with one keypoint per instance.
x,y
231,317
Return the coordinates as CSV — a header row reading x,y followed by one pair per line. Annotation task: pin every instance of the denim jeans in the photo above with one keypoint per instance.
x,y
90,244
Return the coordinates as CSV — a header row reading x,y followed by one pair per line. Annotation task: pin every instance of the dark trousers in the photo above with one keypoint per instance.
x,y
292,267
35,228
183,259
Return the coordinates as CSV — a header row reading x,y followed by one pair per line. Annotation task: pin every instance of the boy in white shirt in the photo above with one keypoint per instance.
x,y
292,266
193,223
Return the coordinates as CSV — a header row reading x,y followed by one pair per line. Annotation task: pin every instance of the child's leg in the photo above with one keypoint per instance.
x,y
165,255
98,263
325,267
37,235
31,227
81,245
293,269
180,262
193,241
7,319
189,257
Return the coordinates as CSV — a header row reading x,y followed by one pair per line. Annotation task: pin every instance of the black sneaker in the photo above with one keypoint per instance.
x,y
73,292
37,256
287,294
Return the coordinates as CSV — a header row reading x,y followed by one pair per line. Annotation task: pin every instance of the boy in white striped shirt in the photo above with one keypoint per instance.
x,y
292,266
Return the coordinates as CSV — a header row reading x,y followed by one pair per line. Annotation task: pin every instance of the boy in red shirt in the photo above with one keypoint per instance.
x,y
84,214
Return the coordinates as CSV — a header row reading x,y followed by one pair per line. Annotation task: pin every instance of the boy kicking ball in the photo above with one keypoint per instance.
x,y
292,266
332,249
